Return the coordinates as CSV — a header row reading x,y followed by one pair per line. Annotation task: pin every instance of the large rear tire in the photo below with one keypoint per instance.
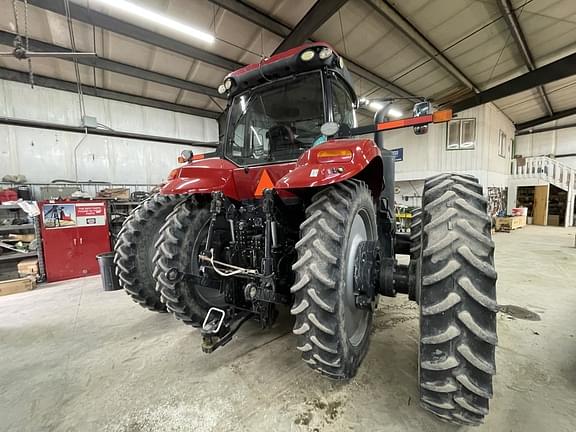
x,y
332,333
415,252
457,300
134,249
182,238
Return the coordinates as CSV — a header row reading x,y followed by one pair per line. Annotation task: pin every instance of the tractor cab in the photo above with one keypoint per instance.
x,y
277,108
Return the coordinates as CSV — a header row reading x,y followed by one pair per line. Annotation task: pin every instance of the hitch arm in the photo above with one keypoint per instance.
x,y
174,275
218,328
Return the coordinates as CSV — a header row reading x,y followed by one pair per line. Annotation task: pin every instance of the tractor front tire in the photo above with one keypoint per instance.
x,y
182,238
332,333
457,301
134,249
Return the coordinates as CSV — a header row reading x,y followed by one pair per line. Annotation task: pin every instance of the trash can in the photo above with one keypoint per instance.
x,y
110,281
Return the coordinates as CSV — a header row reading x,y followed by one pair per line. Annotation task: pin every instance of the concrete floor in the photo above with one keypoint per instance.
x,y
76,358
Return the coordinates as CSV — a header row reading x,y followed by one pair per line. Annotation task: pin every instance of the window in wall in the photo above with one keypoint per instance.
x,y
501,144
461,134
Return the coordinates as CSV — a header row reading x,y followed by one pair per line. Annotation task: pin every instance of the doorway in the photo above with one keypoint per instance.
x,y
557,202
535,198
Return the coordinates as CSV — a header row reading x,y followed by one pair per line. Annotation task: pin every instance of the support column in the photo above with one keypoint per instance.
x,y
512,193
569,217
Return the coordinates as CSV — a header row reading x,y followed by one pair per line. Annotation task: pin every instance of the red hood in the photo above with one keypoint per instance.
x,y
209,175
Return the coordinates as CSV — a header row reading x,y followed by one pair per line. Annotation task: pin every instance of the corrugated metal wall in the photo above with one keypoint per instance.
x,y
44,155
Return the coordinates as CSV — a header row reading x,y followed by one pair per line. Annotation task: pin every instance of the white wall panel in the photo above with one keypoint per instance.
x,y
44,155
570,161
42,104
565,141
558,142
426,155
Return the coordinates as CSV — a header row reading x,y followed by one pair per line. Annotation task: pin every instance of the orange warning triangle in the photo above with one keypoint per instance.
x,y
264,183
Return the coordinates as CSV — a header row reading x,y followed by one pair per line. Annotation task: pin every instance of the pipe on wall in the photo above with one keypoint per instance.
x,y
104,132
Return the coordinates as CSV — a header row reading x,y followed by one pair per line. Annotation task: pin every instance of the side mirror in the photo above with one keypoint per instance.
x,y
421,109
330,128
185,156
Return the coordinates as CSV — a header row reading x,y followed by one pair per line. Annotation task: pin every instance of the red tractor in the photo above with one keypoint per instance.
x,y
295,209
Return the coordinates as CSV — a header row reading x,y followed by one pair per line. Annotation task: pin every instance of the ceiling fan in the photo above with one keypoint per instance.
x,y
21,46
21,53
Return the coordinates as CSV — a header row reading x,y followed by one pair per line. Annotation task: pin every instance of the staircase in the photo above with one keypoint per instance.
x,y
542,170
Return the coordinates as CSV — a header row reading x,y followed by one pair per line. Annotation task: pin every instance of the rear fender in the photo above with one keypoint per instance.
x,y
201,177
310,172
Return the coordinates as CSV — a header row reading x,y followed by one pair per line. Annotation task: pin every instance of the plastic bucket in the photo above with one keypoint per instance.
x,y
110,281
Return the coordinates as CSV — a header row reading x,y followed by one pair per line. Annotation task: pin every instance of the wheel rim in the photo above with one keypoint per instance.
x,y
356,320
210,296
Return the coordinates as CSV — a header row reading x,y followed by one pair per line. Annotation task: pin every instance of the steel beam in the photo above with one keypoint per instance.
x,y
6,38
42,81
115,25
257,17
312,21
542,120
385,9
559,69
511,19
546,129
8,121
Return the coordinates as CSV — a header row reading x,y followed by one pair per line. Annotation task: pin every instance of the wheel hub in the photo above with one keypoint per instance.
x,y
356,319
366,273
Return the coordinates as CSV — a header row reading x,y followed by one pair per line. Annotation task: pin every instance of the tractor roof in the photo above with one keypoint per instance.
x,y
306,57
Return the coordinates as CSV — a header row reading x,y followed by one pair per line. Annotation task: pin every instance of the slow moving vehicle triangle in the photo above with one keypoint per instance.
x,y
264,183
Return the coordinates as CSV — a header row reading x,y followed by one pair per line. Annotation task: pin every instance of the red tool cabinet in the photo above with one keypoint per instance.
x,y
73,233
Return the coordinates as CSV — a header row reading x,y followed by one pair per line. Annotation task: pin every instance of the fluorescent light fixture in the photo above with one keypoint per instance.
x,y
158,19
376,106
392,112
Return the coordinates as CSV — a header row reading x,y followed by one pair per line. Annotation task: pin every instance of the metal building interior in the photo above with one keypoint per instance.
x,y
109,111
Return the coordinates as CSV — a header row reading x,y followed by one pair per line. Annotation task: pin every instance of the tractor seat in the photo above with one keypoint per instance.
x,y
282,141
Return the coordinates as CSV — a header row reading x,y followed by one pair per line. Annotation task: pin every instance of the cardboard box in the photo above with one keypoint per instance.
x,y
520,211
28,267
16,285
115,193
26,238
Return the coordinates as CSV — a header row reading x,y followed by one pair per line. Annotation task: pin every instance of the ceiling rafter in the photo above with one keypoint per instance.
x,y
115,25
546,119
559,69
390,13
517,34
318,14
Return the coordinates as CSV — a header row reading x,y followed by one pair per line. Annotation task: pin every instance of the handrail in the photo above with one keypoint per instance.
x,y
546,168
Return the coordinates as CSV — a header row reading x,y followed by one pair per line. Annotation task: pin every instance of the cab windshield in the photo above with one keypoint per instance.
x,y
276,122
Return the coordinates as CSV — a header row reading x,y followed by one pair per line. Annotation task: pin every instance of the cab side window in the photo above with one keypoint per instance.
x,y
342,105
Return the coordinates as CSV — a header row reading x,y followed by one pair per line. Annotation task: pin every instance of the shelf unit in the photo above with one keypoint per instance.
x,y
12,228
119,210
9,259
17,255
